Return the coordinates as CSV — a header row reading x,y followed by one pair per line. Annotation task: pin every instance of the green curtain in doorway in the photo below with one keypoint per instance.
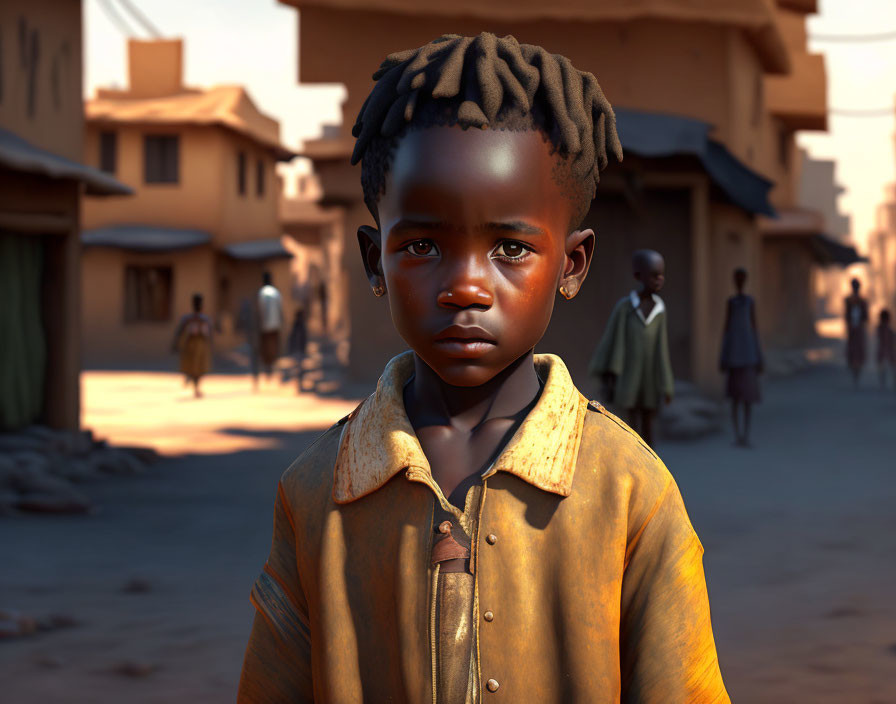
x,y
22,340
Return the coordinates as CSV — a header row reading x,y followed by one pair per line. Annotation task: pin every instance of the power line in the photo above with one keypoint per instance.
x,y
879,37
116,19
142,19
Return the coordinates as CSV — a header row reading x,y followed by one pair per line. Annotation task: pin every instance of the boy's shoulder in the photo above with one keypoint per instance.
x,y
612,455
309,479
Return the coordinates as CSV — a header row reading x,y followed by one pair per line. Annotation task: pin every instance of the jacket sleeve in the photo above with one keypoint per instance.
x,y
610,352
277,665
667,651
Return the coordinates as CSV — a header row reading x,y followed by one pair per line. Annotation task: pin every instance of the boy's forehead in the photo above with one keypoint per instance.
x,y
454,152
445,173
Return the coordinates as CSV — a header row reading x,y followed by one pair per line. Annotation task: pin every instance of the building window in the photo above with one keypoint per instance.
x,y
259,178
108,151
147,294
241,173
161,158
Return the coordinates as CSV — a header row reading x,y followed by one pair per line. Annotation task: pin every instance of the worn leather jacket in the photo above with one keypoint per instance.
x,y
584,556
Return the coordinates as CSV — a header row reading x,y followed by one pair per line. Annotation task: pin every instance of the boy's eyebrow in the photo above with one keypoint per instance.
x,y
517,226
417,223
424,223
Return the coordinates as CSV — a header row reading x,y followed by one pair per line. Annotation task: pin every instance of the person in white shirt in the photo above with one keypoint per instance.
x,y
270,322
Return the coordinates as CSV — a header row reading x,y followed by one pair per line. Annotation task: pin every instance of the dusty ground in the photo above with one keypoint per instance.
x,y
800,538
155,408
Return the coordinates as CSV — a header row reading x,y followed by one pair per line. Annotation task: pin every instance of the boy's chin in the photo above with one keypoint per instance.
x,y
466,372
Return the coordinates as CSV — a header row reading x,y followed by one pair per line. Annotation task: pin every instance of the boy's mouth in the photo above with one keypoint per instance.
x,y
465,342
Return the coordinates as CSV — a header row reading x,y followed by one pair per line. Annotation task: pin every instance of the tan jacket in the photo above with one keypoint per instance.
x,y
584,556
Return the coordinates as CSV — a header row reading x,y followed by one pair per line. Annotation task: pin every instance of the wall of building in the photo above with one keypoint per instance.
x,y
787,315
623,57
746,102
249,216
192,203
778,160
40,73
206,196
40,101
109,340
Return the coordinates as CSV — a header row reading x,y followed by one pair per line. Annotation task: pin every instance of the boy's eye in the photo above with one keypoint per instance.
x,y
510,249
422,248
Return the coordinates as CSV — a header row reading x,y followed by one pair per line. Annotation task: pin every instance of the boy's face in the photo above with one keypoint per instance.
x,y
651,272
473,245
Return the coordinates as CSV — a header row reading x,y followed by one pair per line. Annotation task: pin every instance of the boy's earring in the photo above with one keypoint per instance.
x,y
568,291
379,290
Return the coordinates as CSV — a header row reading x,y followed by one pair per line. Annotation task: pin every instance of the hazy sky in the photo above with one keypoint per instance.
x,y
253,42
860,76
249,42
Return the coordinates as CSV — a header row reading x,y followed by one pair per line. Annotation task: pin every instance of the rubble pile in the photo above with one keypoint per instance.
x,y
14,624
41,468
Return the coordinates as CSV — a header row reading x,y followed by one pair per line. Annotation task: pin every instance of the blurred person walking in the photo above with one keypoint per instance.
x,y
297,343
193,339
741,357
856,313
886,349
270,322
247,322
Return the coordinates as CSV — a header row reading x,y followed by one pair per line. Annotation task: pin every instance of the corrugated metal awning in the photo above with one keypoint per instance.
x,y
20,155
257,249
829,251
653,134
144,238
808,226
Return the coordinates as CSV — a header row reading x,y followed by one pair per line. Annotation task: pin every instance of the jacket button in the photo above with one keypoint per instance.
x,y
488,616
492,685
491,538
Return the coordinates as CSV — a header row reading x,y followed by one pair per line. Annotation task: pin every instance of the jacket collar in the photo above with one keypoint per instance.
x,y
378,441
658,307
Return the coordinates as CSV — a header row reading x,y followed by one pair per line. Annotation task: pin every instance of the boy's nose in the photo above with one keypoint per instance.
x,y
465,285
465,295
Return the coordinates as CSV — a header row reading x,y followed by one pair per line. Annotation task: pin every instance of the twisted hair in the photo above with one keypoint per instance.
x,y
488,82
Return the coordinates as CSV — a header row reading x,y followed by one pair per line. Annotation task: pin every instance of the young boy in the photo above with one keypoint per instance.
x,y
475,530
741,357
632,358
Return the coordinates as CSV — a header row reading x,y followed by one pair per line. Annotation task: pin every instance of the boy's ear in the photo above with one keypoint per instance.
x,y
579,250
371,255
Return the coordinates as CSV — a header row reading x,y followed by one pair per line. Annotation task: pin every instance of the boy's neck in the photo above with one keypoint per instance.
x,y
430,401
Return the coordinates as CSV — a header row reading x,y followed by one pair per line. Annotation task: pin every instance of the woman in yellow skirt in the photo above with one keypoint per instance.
x,y
193,338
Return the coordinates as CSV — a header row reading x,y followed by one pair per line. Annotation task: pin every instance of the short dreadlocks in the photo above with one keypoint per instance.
x,y
487,82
